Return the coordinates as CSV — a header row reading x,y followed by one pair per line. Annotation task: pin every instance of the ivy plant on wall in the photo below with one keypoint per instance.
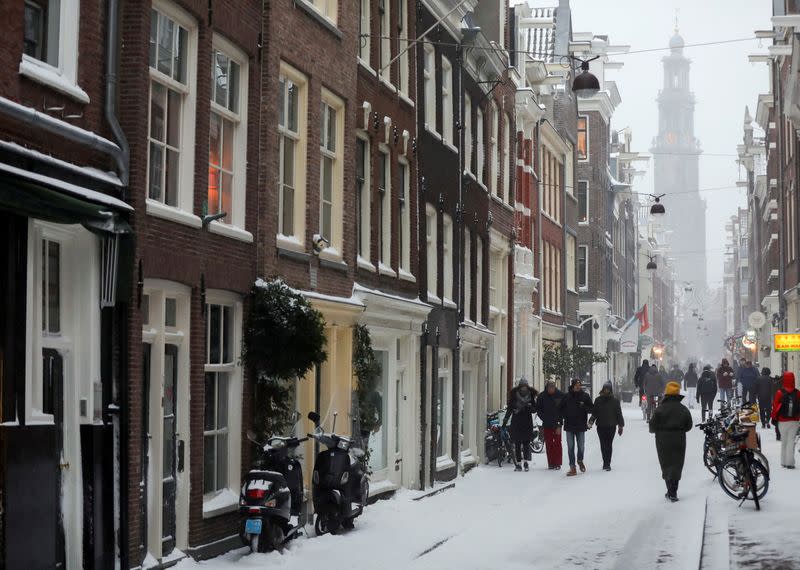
x,y
367,370
284,338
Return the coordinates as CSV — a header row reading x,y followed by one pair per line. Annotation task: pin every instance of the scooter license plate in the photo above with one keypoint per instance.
x,y
253,526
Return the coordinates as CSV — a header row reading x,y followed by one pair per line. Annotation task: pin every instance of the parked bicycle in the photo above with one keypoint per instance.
x,y
537,443
497,441
741,475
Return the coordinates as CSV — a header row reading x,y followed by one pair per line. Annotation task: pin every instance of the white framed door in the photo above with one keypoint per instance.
x,y
166,330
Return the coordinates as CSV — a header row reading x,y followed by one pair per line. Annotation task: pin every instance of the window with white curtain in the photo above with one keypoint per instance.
x,y
494,149
448,134
480,150
447,257
430,250
292,98
506,160
467,275
429,84
468,133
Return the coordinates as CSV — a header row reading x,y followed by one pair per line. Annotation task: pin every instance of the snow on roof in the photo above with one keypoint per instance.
x,y
541,42
107,177
66,187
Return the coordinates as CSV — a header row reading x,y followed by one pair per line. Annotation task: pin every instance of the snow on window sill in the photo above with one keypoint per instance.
x,y
444,462
406,99
331,254
367,66
224,501
365,264
406,276
159,210
467,458
387,83
433,299
291,243
449,303
450,146
52,77
386,270
230,231
432,131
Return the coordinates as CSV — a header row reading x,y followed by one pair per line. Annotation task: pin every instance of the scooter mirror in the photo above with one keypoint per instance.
x,y
314,417
251,435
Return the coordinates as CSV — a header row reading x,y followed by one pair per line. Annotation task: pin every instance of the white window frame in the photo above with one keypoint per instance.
x,y
236,218
445,376
479,280
506,160
212,507
365,193
183,212
448,245
585,275
467,133
62,77
467,275
431,258
494,151
365,33
385,206
429,84
385,43
448,134
571,265
296,239
328,9
404,219
480,149
403,76
335,249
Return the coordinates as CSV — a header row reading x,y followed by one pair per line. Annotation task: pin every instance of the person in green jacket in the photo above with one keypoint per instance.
x,y
607,413
670,422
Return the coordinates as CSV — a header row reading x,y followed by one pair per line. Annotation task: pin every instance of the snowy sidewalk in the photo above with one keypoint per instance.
x,y
496,518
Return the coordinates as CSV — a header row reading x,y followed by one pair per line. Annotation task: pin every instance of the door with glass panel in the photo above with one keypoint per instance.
x,y
398,413
377,404
169,464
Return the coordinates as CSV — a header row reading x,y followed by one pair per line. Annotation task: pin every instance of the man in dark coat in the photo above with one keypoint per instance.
x,y
675,374
574,411
607,414
725,380
638,378
669,423
653,387
748,376
547,407
520,409
765,390
690,383
707,391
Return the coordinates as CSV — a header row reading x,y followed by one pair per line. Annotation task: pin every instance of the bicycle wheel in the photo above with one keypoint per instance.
x,y
710,458
731,476
537,445
760,478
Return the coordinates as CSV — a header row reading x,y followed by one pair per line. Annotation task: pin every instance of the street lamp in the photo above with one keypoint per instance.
x,y
657,209
586,84
651,265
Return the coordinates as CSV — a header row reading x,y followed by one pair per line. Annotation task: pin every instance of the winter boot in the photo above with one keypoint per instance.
x,y
517,467
606,467
572,472
582,466
525,466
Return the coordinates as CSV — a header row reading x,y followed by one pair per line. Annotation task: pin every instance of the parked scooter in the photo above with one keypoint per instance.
x,y
271,500
340,486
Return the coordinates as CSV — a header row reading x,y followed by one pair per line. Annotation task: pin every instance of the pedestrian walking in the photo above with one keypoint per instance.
x,y
746,378
690,383
638,378
786,412
675,374
765,390
670,422
707,391
653,388
520,409
574,410
725,380
607,414
547,407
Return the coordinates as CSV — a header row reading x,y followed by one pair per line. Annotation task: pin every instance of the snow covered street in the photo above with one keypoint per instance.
x,y
496,518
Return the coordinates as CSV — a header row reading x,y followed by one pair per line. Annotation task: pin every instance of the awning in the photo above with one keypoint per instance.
x,y
37,196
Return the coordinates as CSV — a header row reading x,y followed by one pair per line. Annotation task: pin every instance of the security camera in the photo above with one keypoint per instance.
x,y
320,243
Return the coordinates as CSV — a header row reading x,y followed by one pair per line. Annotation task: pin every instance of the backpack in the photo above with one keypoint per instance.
x,y
790,404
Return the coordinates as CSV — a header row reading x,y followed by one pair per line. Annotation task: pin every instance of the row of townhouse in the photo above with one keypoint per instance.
x,y
405,165
765,270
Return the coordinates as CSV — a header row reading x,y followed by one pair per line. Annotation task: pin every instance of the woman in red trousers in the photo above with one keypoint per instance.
x,y
547,408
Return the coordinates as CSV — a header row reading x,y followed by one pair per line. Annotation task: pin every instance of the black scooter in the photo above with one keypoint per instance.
x,y
340,486
271,500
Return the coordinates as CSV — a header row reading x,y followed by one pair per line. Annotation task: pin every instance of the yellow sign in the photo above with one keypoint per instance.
x,y
786,342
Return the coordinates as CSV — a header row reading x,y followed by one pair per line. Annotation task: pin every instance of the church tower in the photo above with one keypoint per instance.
x,y
676,154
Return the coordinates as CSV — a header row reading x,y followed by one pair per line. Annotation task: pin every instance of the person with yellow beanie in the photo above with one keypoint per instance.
x,y
670,422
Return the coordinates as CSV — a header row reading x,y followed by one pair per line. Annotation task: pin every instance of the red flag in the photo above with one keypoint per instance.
x,y
644,322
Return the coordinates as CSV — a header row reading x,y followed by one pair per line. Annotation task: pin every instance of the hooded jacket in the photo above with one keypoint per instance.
x,y
653,382
725,376
675,375
765,389
520,409
706,385
607,411
690,379
788,388
670,422
547,408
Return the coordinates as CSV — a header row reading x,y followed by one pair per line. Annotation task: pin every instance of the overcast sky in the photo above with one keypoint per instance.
x,y
722,79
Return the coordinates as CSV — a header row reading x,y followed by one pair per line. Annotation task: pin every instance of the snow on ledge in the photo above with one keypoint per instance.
x,y
223,502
